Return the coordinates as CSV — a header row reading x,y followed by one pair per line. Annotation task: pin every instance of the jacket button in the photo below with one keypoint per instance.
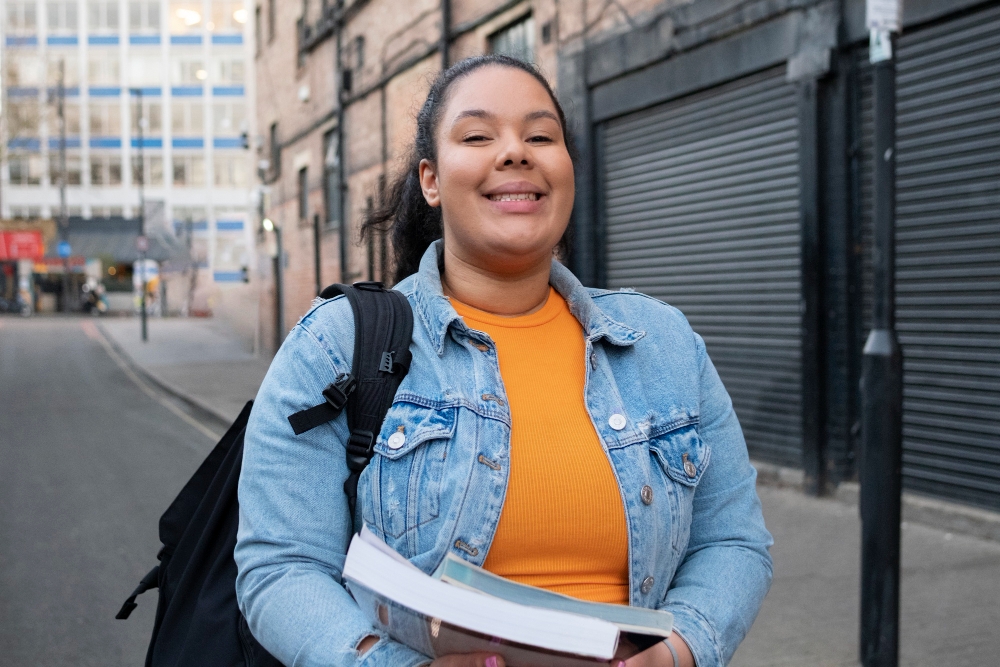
x,y
647,585
593,360
482,347
396,440
689,468
617,421
647,494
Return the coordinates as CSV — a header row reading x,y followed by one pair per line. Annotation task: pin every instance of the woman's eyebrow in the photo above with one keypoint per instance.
x,y
486,115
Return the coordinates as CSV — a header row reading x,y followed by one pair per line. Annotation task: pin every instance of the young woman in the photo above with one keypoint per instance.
x,y
569,438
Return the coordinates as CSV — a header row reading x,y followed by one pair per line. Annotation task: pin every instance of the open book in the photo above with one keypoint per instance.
x,y
464,609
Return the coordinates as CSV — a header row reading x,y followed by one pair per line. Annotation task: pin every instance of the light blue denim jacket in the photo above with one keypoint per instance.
x,y
698,548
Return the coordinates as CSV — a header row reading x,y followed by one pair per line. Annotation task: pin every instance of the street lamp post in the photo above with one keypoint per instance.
x,y
142,243
880,468
279,287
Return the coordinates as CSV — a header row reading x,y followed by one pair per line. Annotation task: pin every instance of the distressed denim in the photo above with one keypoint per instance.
x,y
697,544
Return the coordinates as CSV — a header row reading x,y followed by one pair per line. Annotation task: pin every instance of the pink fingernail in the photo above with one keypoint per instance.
x,y
491,661
621,663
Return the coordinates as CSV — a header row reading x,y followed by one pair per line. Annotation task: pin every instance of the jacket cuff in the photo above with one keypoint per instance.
x,y
697,633
388,653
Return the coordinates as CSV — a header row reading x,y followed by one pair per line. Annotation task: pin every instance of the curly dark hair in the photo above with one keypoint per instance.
x,y
411,223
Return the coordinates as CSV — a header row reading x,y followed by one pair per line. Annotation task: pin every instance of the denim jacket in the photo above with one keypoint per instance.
x,y
697,543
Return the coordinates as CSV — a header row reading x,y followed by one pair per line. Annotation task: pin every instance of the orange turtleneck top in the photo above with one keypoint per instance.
x,y
562,526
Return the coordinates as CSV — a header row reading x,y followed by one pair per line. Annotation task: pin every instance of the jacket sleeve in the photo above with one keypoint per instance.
x,y
294,522
726,571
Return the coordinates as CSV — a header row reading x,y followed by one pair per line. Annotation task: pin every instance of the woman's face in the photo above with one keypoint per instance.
x,y
503,176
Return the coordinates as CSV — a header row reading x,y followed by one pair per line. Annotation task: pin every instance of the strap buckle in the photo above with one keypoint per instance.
x,y
336,394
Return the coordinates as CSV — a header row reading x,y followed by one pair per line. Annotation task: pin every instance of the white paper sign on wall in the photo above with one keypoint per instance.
x,y
884,15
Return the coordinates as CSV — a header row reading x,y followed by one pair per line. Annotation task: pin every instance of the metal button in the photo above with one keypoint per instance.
x,y
396,440
617,421
482,347
647,585
647,494
593,360
689,468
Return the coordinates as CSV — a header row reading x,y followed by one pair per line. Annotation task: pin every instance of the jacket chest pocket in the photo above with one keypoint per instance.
x,y
682,458
408,466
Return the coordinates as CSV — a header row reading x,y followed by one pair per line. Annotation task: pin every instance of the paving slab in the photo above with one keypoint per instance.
x,y
950,588
198,358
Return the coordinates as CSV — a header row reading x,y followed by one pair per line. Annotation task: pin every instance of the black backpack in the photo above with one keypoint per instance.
x,y
198,623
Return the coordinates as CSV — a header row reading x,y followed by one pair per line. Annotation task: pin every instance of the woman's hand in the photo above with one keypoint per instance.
x,y
469,660
658,655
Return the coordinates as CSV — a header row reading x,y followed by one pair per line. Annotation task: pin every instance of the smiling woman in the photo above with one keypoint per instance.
x,y
591,448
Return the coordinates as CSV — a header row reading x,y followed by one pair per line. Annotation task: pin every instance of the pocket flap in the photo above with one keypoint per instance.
x,y
682,454
417,424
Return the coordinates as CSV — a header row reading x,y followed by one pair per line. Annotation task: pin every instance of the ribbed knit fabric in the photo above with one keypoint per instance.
x,y
563,524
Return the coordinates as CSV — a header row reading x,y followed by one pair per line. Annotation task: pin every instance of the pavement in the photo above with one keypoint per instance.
x,y
950,580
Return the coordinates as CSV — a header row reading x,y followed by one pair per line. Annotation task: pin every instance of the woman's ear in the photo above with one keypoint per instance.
x,y
429,183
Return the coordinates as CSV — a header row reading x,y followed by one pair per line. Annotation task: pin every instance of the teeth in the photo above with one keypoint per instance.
x,y
526,196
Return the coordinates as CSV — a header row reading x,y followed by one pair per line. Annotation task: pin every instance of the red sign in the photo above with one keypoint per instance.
x,y
21,245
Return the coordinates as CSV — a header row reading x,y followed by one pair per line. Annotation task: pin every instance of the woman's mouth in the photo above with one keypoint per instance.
x,y
515,196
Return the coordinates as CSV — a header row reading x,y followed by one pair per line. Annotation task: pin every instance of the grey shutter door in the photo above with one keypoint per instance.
x,y
701,210
947,253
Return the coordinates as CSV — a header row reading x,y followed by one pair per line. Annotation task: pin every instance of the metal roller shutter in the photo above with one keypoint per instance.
x,y
701,205
948,253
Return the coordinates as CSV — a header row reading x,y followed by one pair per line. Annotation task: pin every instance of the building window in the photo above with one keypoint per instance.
x,y
24,70
145,70
185,16
102,15
71,72
516,40
22,16
189,171
228,118
275,151
103,68
230,171
187,117
74,169
188,71
272,19
228,70
71,112
105,119
25,169
303,193
331,179
227,16
152,117
105,170
62,16
143,15
22,118
152,175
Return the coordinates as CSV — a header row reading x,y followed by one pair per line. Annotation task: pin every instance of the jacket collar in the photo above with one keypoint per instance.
x,y
437,313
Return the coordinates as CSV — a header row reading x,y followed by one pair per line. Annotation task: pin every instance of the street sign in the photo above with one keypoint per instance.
x,y
64,249
142,243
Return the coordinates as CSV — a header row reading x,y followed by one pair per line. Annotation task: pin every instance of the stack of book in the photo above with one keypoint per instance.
x,y
462,608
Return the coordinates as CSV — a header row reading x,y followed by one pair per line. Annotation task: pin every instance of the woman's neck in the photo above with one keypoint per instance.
x,y
509,295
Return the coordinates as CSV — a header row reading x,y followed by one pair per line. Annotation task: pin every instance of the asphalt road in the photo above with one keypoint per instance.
x,y
89,459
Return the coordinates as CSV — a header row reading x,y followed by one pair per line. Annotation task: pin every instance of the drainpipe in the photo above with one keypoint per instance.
x,y
445,32
341,96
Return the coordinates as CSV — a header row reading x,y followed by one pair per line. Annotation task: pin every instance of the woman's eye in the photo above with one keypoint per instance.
x,y
476,137
540,139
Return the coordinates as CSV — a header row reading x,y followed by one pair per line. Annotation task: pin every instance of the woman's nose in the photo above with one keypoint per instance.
x,y
513,152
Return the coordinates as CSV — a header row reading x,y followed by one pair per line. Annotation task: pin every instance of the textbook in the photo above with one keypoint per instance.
x,y
464,609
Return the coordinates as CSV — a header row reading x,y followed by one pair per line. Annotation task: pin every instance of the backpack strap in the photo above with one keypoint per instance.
x,y
383,328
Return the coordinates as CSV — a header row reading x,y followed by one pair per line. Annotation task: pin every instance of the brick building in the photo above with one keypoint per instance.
x,y
339,86
726,165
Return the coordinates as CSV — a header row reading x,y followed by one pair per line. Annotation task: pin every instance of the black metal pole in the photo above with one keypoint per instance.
x,y
880,467
142,218
279,290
